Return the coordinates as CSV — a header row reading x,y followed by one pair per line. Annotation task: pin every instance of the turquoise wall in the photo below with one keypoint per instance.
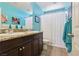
x,y
9,11
37,11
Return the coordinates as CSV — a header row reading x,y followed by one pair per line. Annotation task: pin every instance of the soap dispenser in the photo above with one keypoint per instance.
x,y
16,26
10,26
21,27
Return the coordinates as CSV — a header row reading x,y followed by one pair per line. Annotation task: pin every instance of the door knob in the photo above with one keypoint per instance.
x,y
70,34
23,47
20,49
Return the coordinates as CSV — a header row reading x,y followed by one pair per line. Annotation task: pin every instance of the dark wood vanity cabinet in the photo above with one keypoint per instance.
x,y
31,45
38,44
25,49
36,47
13,52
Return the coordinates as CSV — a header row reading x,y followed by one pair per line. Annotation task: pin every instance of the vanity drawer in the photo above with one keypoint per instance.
x,y
27,38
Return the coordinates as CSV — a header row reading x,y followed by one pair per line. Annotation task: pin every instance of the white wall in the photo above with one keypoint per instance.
x,y
52,26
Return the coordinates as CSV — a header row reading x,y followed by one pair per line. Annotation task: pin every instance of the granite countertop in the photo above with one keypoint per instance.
x,y
9,36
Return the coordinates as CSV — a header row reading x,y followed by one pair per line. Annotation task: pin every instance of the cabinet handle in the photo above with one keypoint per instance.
x,y
23,47
20,49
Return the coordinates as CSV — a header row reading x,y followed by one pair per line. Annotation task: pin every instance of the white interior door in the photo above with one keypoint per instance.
x,y
75,28
52,25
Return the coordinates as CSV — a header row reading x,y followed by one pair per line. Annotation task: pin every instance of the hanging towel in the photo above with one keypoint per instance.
x,y
66,38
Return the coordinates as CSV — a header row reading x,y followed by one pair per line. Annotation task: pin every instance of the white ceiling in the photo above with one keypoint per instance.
x,y
26,6
50,5
47,4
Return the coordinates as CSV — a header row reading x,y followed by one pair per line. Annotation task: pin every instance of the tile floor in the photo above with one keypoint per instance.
x,y
54,51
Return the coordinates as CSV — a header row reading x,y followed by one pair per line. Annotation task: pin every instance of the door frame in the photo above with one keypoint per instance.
x,y
75,27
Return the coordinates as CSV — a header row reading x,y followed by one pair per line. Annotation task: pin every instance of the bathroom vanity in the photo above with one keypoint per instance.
x,y
29,43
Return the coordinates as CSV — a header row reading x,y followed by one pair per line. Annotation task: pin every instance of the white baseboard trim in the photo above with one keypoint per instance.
x,y
58,45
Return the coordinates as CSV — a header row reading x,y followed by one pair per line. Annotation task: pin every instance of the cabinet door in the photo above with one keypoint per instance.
x,y
27,49
35,43
13,52
40,43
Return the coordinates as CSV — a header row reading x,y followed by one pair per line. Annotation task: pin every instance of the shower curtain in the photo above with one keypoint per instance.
x,y
52,25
